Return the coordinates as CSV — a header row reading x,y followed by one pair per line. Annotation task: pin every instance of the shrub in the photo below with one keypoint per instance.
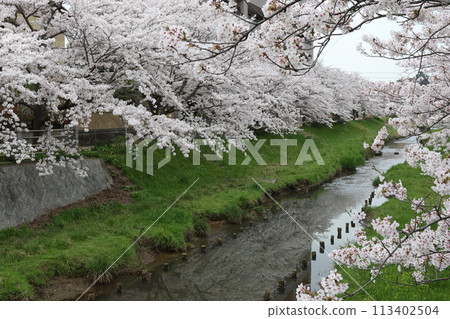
x,y
360,160
200,225
97,266
168,240
376,182
235,214
350,163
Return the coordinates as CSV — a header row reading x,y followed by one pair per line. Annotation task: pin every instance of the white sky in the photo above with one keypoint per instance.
x,y
341,53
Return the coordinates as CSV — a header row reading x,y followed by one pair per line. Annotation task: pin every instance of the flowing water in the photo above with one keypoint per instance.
x,y
243,268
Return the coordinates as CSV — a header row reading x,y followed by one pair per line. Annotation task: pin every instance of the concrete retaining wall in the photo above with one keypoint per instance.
x,y
24,195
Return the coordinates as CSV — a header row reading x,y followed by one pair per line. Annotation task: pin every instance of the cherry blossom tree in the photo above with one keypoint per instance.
x,y
420,107
114,47
291,28
420,248
225,75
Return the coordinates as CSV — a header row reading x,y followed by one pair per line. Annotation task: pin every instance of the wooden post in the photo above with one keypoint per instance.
x,y
353,224
332,240
166,266
184,256
313,255
347,227
203,248
294,273
219,241
339,235
119,287
322,247
234,235
281,285
267,295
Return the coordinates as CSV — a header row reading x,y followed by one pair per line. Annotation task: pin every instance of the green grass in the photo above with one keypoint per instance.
x,y
83,241
418,186
350,163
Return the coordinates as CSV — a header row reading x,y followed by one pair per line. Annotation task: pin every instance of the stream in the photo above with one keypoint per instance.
x,y
261,254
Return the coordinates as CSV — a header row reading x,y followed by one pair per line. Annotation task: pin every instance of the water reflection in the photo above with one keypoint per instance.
x,y
262,254
349,193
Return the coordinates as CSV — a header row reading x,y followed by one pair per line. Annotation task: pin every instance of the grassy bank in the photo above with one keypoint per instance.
x,y
418,187
85,240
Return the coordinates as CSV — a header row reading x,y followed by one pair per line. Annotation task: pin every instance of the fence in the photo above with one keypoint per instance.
x,y
32,136
81,138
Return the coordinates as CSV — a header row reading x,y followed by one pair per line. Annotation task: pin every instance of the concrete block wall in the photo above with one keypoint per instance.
x,y
24,195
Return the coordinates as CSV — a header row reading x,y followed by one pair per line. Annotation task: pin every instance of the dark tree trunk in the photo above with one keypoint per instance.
x,y
39,117
38,123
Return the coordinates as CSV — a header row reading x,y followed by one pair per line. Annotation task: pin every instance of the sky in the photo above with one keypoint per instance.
x,y
342,53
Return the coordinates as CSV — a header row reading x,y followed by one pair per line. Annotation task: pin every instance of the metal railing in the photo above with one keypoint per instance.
x,y
32,136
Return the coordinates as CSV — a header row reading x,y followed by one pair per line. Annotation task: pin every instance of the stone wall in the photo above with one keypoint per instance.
x,y
24,195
